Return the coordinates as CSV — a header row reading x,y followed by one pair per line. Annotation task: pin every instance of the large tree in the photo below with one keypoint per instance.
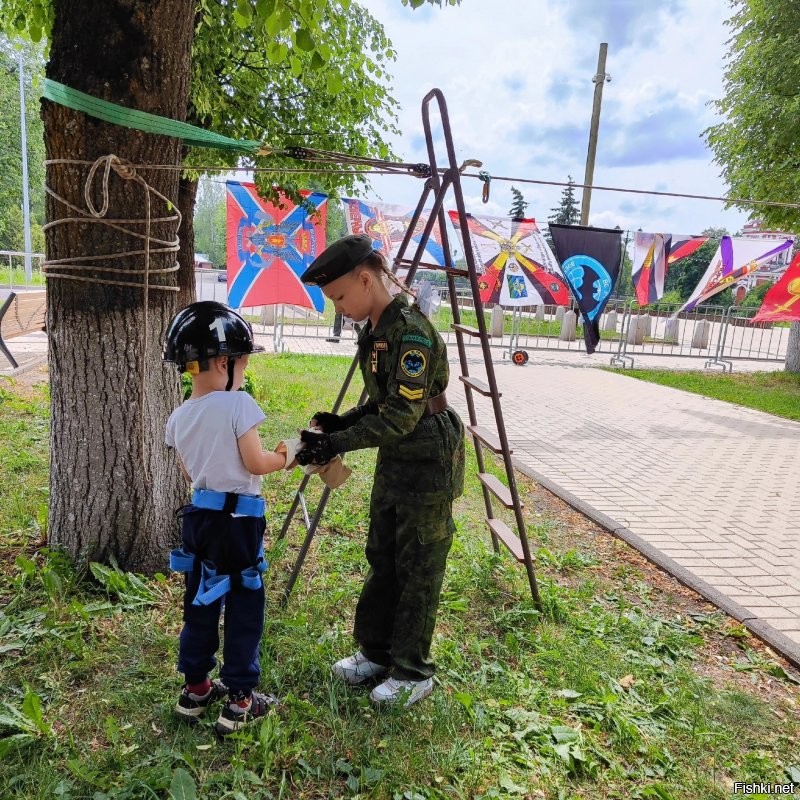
x,y
758,142
113,487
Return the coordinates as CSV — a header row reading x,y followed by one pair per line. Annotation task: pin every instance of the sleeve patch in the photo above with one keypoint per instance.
x,y
416,338
411,394
413,364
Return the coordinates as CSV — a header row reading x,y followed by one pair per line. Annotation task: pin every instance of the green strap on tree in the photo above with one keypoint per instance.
x,y
149,123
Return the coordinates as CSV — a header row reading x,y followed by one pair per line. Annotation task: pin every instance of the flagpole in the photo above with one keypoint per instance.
x,y
598,80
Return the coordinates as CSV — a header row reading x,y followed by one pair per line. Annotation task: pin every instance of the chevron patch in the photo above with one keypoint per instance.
x,y
409,393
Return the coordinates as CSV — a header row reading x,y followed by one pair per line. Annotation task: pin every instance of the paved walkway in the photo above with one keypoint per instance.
x,y
705,489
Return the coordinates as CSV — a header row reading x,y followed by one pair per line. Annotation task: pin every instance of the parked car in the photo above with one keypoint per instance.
x,y
222,276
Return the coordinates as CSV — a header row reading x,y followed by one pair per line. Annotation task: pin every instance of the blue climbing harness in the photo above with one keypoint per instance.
x,y
213,585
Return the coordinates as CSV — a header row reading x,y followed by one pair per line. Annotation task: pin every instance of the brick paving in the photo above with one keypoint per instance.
x,y
706,489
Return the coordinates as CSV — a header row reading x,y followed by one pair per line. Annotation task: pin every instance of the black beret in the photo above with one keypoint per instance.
x,y
342,256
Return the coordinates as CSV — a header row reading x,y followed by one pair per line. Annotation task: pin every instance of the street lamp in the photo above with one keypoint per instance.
x,y
26,206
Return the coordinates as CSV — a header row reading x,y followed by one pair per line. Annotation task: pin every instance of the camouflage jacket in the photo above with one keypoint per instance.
x,y
404,362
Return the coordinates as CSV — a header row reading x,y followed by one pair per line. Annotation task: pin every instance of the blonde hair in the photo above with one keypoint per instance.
x,y
376,263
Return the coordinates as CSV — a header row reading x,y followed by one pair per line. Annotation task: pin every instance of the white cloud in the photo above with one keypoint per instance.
x,y
516,75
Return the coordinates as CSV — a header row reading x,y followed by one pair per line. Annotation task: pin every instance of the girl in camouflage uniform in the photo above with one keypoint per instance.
x,y
418,474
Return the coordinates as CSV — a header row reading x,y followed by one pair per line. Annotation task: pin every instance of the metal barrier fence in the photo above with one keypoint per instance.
x,y
13,272
718,334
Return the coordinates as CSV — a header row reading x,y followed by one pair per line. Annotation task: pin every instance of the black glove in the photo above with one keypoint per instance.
x,y
318,449
329,423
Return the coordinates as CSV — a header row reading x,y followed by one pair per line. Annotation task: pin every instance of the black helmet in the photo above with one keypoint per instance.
x,y
204,330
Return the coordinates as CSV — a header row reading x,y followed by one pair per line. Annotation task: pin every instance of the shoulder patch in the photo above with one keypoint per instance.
x,y
412,366
417,338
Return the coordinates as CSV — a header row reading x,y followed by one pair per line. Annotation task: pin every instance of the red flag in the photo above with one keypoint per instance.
x,y
782,301
269,248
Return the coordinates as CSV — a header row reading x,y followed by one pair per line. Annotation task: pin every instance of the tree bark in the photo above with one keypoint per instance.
x,y
114,487
187,194
793,349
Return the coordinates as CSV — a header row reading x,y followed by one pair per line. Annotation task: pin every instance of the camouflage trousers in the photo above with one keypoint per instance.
x,y
407,549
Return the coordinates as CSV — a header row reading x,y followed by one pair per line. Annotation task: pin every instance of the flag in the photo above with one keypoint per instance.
x,y
735,258
649,265
514,262
590,260
782,301
387,225
683,246
269,248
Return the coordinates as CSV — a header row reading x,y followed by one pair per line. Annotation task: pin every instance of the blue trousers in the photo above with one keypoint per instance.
x,y
232,544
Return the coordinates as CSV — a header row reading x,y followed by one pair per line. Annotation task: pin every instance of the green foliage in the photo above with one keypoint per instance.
x,y
11,220
518,205
251,385
758,141
568,212
209,220
774,392
755,297
292,74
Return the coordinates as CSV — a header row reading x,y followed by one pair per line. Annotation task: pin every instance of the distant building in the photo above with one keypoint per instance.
x,y
772,270
202,261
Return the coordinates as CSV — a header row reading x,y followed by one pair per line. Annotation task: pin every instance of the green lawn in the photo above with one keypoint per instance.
x,y
624,687
774,392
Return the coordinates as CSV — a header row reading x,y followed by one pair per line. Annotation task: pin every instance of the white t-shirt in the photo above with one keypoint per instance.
x,y
204,432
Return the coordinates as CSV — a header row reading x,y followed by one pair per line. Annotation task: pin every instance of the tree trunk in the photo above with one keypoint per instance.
x,y
187,194
793,349
114,487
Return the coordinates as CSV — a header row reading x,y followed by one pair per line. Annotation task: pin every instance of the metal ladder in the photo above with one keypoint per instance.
x,y
438,183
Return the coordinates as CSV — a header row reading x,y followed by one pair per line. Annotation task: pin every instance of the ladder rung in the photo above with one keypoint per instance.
x,y
498,489
507,537
469,331
491,440
478,385
460,273
423,264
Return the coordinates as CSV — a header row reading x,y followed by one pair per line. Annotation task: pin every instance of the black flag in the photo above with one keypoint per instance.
x,y
590,260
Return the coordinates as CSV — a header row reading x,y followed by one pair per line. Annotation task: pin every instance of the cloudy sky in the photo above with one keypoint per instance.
x,y
517,78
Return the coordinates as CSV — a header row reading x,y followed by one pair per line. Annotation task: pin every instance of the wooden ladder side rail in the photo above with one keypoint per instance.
x,y
5,351
451,272
21,314
311,527
436,94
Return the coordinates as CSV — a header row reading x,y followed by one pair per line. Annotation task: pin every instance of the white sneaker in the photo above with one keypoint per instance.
x,y
405,692
357,669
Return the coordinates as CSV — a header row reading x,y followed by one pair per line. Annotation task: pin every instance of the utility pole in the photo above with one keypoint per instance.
x,y
599,79
26,205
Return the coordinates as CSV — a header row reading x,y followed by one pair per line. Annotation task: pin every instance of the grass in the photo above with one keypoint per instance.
x,y
774,392
623,688
15,277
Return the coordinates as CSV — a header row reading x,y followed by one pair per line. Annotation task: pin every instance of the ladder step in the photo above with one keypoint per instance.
x,y
469,331
491,440
478,385
498,489
455,272
507,537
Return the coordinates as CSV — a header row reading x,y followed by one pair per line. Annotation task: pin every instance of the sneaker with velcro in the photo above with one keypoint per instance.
x,y
357,669
393,691
242,710
192,706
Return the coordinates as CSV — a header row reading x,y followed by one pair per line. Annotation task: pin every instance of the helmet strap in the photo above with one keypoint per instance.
x,y
231,364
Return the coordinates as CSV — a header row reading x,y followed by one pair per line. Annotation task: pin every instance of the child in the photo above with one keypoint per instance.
x,y
215,433
419,470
